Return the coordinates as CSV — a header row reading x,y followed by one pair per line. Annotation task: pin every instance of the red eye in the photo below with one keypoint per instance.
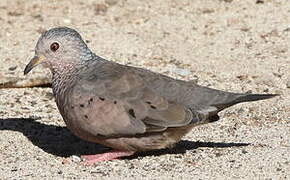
x,y
54,46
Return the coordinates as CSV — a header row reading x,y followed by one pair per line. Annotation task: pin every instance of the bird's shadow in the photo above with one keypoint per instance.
x,y
61,142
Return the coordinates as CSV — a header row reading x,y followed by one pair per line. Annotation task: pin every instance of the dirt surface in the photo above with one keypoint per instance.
x,y
233,45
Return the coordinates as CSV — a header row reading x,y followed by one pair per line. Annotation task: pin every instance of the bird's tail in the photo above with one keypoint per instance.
x,y
210,111
239,98
209,102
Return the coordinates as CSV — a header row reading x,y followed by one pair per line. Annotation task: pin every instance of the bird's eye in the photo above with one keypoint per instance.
x,y
54,46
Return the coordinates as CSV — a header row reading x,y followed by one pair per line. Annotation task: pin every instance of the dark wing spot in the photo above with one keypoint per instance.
x,y
115,102
90,100
81,105
148,102
72,107
86,116
132,113
153,107
102,99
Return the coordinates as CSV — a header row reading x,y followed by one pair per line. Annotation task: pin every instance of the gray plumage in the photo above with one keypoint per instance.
x,y
123,107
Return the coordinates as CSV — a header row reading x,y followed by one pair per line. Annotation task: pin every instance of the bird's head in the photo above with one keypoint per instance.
x,y
59,46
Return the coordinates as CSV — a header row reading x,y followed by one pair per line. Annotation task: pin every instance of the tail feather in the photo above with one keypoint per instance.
x,y
209,102
239,98
254,97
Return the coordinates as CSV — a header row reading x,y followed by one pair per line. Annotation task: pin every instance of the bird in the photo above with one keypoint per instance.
x,y
126,108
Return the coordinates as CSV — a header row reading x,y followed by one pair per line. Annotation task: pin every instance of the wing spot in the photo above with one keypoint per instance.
x,y
86,117
90,100
153,107
72,107
132,113
101,98
81,105
115,102
148,102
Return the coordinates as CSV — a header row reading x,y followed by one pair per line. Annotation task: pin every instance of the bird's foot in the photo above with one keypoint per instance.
x,y
92,159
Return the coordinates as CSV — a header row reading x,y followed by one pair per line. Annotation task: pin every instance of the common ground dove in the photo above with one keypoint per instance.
x,y
126,108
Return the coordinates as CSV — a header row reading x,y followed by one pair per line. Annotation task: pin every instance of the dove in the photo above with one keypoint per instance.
x,y
126,108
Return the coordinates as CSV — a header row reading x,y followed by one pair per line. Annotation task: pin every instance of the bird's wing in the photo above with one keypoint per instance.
x,y
112,100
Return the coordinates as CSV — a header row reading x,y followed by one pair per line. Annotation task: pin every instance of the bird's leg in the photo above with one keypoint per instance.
x,y
115,154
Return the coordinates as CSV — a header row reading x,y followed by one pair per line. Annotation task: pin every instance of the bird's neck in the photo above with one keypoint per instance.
x,y
63,76
65,73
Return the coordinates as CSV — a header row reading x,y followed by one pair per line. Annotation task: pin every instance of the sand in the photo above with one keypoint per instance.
x,y
232,45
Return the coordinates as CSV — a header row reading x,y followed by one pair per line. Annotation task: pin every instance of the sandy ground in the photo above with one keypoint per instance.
x,y
233,45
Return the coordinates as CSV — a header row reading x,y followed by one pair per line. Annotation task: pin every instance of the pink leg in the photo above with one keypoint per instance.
x,y
92,159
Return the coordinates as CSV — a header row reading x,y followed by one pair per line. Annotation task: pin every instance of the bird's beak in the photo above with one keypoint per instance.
x,y
33,62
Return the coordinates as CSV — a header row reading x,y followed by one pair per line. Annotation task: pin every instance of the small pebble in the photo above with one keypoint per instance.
x,y
244,151
241,110
288,84
100,9
75,158
266,90
259,2
111,2
182,72
12,68
67,21
287,29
